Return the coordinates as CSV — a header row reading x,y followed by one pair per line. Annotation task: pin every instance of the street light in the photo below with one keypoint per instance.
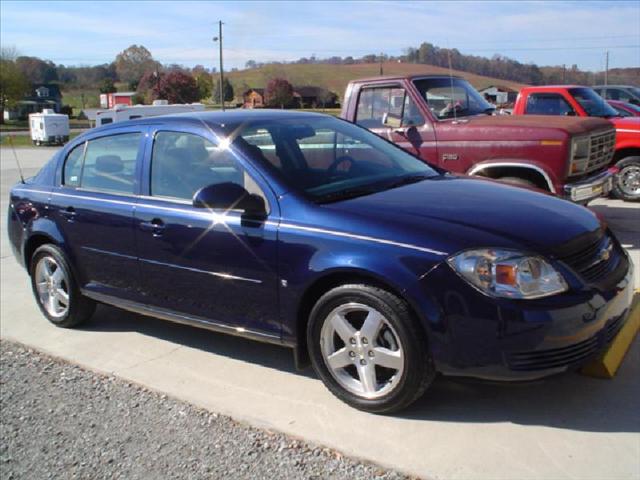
x,y
219,40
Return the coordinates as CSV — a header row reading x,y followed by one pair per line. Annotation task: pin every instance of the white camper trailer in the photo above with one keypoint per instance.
x,y
49,127
120,113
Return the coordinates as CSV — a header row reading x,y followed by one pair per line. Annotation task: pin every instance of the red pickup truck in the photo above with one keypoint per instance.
x,y
581,101
446,122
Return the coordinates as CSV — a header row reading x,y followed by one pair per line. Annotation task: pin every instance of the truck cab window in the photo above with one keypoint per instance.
x,y
374,103
548,104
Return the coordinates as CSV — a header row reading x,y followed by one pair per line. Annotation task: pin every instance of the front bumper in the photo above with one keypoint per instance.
x,y
590,188
498,339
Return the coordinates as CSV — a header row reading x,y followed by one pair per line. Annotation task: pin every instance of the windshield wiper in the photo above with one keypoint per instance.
x,y
406,180
346,194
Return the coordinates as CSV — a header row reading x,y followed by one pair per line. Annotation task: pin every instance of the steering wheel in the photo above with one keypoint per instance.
x,y
333,169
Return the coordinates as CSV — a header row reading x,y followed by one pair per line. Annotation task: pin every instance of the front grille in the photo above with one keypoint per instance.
x,y
564,356
601,151
595,261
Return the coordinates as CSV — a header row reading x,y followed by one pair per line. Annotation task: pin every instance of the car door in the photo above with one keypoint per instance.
x,y
413,133
204,263
93,206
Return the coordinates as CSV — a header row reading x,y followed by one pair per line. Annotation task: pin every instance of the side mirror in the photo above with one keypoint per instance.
x,y
230,196
570,113
391,120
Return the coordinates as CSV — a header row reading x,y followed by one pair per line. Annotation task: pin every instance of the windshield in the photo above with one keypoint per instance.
x,y
452,97
328,159
593,104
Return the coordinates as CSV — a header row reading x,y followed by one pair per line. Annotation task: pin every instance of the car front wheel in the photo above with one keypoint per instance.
x,y
55,289
368,349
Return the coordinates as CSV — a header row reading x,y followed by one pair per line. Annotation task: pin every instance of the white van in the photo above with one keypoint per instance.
x,y
49,128
120,113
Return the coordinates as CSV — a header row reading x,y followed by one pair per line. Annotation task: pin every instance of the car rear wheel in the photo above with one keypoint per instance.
x,y
368,349
55,289
626,184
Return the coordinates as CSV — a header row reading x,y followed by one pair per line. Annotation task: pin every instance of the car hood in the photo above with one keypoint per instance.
x,y
530,124
626,123
452,213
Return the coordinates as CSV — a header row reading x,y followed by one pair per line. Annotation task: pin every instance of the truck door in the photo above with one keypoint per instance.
x,y
413,132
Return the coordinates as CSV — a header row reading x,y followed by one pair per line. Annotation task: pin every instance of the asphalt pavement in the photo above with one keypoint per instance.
x,y
568,426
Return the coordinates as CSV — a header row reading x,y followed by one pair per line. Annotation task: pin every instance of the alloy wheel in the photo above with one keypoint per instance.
x,y
362,350
52,286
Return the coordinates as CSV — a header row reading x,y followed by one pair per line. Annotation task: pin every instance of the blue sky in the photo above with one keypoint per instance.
x,y
547,33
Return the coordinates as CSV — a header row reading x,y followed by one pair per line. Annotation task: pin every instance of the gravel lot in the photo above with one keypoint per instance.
x,y
61,421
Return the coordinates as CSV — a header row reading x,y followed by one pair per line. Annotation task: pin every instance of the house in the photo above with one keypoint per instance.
x,y
110,100
499,94
304,97
309,96
253,98
41,97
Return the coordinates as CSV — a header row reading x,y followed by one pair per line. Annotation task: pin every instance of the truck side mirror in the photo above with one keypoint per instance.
x,y
392,121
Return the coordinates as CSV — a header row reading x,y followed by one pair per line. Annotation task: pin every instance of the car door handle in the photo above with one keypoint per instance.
x,y
156,226
69,213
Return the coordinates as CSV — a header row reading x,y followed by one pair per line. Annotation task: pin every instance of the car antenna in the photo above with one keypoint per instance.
x,y
453,105
15,155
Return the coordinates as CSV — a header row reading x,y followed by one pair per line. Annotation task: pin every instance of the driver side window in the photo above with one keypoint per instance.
x,y
374,103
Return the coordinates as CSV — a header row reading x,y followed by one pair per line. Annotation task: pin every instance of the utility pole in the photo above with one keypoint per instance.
x,y
381,56
219,40
606,68
564,73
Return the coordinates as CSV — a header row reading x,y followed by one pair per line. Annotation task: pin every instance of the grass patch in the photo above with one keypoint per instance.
x,y
21,141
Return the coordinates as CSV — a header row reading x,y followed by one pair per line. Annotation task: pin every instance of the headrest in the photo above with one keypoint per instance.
x,y
109,164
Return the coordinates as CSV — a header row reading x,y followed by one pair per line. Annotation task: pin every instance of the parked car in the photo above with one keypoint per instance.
x,y
625,93
625,109
307,231
447,123
48,128
576,100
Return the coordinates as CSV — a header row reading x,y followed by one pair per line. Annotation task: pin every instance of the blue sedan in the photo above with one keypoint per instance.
x,y
310,232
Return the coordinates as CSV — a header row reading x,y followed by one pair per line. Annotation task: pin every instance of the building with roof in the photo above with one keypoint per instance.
x,y
40,97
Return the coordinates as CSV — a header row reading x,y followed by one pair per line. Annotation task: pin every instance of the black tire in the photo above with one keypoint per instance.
x,y
80,308
419,370
520,182
620,190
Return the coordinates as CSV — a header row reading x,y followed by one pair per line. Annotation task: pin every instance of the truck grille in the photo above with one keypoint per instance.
x,y
601,150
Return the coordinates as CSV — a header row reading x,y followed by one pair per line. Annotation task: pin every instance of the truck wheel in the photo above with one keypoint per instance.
x,y
520,182
368,348
55,289
626,184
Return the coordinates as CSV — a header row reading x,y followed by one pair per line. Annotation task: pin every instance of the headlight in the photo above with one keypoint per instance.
x,y
580,150
508,273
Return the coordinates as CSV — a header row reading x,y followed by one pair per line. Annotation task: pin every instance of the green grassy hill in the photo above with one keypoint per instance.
x,y
336,77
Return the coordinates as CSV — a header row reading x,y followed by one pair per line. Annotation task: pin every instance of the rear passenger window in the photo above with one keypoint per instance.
x,y
547,104
73,167
110,163
182,163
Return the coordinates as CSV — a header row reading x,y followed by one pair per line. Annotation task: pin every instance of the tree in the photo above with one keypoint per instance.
x,y
108,86
250,64
205,84
132,63
227,89
279,93
13,83
177,87
37,70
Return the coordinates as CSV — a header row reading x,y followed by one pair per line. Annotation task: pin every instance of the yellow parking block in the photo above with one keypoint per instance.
x,y
608,363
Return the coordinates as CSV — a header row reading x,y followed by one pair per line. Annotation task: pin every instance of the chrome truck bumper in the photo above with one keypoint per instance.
x,y
593,187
